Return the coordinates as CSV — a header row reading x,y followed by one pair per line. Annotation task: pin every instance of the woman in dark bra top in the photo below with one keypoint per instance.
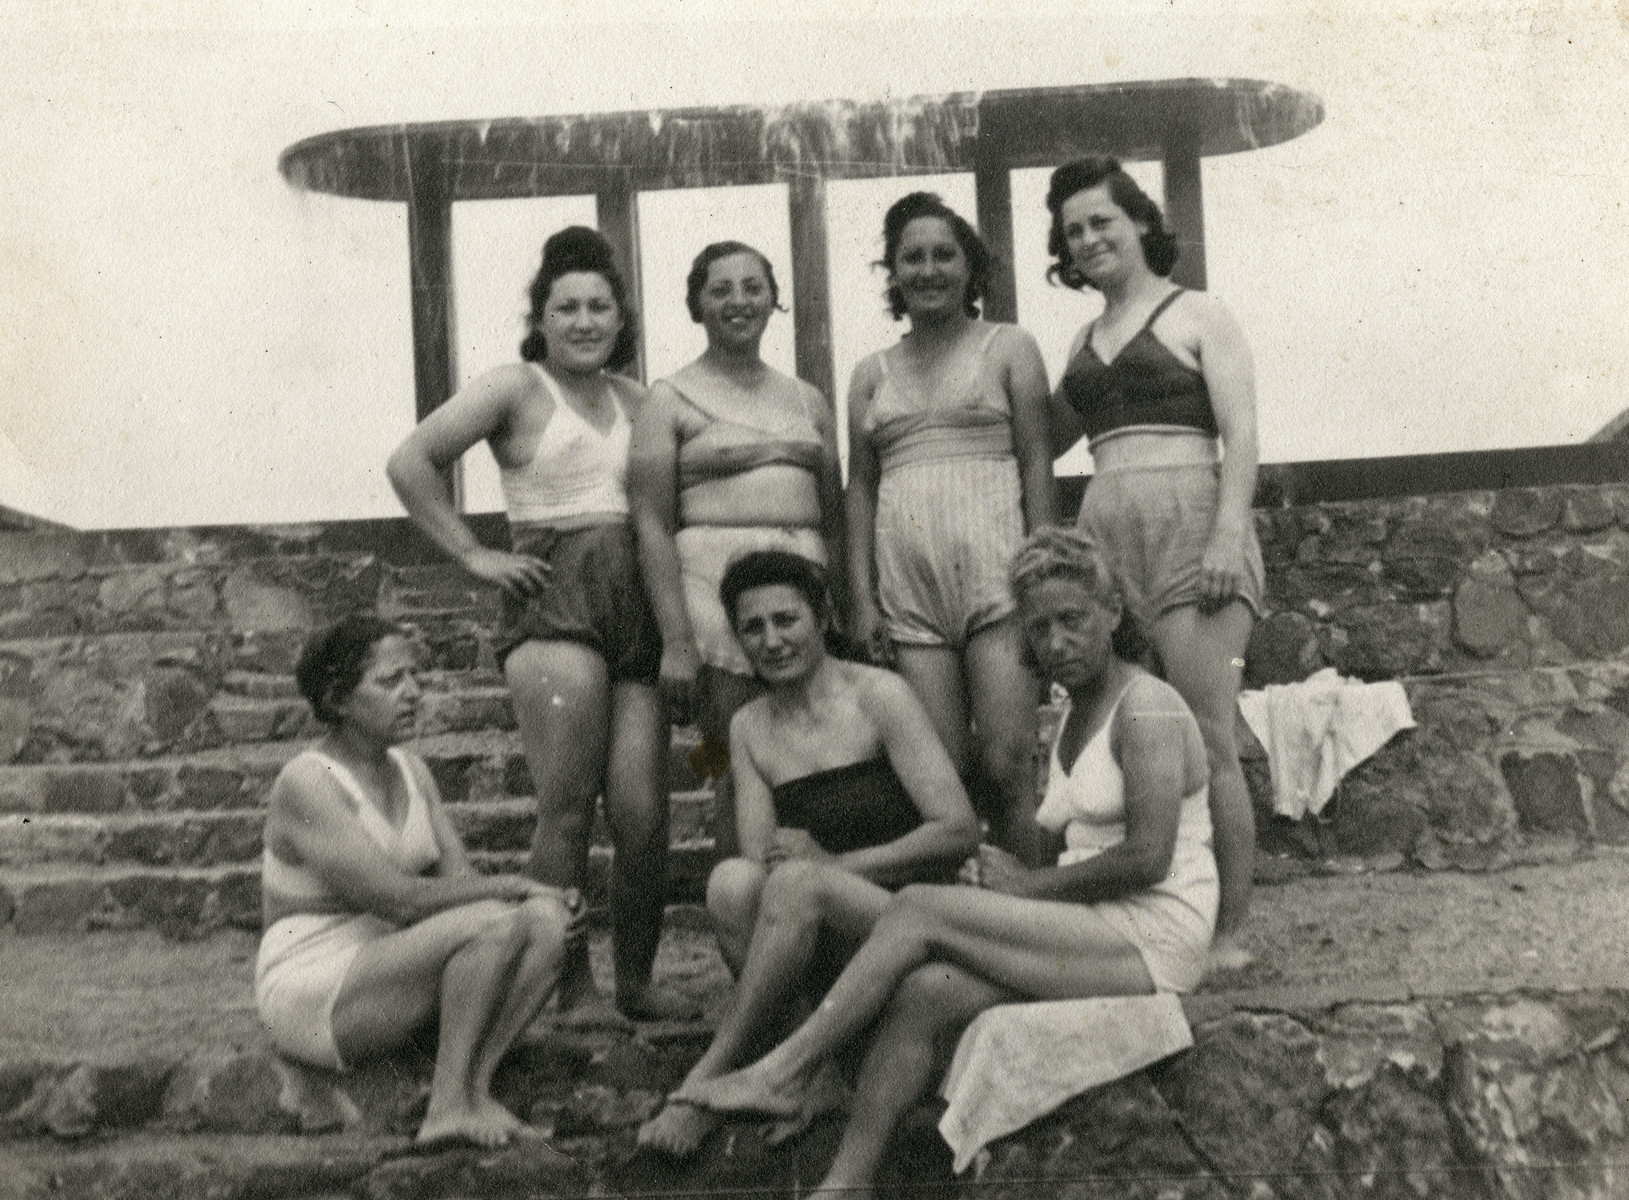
x,y
1163,386
729,456
843,793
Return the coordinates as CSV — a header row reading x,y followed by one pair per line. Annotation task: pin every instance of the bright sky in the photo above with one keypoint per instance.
x,y
1442,264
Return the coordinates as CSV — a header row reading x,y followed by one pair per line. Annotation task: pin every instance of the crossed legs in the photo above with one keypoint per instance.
x,y
484,970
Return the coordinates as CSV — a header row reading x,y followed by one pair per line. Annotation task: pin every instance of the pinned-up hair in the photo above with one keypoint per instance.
x,y
573,249
333,660
696,281
1159,245
914,206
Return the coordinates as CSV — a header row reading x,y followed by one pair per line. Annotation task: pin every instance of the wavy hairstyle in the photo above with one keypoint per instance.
x,y
915,205
333,660
1159,245
1055,553
578,248
696,281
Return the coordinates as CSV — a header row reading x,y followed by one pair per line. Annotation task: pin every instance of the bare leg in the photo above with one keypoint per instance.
x,y
722,693
800,901
1004,697
1044,949
935,675
1203,656
561,695
636,810
911,1049
544,923
733,892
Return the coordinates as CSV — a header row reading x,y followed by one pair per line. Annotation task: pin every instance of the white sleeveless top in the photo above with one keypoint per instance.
x,y
576,470
413,848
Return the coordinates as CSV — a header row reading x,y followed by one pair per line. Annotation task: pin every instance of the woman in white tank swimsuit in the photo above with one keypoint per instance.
x,y
1128,909
578,645
375,922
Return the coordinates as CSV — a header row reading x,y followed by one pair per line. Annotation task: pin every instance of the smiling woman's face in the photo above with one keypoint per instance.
x,y
581,321
930,267
1104,243
736,301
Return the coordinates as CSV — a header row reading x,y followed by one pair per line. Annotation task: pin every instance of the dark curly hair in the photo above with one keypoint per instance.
x,y
699,270
333,660
765,568
578,248
915,205
1159,245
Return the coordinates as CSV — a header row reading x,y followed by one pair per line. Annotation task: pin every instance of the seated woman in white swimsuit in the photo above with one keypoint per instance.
x,y
375,921
1129,908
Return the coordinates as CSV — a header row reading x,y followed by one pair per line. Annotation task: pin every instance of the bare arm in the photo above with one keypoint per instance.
x,y
1065,427
1229,371
860,505
317,828
482,410
653,495
754,805
1031,428
833,519
949,830
1149,741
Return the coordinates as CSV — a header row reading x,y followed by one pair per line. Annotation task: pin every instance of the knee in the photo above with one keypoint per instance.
x,y
544,919
792,891
930,989
733,890
907,917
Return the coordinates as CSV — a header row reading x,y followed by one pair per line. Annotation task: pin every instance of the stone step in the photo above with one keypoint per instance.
x,y
479,765
216,838
188,902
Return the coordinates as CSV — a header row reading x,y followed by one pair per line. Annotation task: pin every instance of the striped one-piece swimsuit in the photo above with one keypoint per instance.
x,y
949,506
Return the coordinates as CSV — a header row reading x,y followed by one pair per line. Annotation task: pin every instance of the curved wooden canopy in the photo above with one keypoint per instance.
x,y
836,139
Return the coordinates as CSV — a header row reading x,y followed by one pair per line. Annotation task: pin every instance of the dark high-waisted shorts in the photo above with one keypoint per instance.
x,y
594,595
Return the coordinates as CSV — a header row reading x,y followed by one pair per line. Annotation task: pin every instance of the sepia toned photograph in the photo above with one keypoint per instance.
x,y
897,600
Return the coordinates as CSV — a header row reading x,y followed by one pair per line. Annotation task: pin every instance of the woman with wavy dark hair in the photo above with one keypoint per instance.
x,y
730,456
578,645
949,464
1163,386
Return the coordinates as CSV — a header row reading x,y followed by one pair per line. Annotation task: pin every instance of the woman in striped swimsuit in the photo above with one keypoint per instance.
x,y
949,464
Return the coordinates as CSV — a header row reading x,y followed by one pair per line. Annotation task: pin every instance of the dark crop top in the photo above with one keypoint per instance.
x,y
848,808
1145,385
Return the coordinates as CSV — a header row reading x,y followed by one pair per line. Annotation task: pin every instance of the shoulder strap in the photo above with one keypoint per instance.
x,y
1162,306
989,338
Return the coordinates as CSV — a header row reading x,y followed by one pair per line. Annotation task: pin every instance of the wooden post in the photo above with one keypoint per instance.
x,y
429,255
1185,207
617,212
992,188
811,300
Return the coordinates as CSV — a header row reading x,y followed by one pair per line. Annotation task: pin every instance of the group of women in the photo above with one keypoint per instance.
x,y
685,553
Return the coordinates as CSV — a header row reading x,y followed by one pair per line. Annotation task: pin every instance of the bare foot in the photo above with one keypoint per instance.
x,y
679,1129
519,1130
467,1126
826,1093
747,1090
1226,954
653,1003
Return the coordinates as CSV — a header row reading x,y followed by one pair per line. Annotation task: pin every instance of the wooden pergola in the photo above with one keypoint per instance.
x,y
615,156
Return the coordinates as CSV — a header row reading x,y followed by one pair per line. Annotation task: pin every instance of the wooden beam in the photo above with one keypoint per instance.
x,y
430,279
992,187
616,209
811,299
1185,207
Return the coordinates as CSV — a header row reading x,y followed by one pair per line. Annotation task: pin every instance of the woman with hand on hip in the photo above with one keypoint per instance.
x,y
578,645
1163,386
949,464
376,924
730,456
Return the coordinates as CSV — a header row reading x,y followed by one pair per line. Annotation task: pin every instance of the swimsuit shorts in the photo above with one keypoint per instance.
x,y
594,595
299,971
1169,933
947,530
1154,523
705,551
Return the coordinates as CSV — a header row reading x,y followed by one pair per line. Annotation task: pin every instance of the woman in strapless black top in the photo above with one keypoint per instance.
x,y
1163,386
843,792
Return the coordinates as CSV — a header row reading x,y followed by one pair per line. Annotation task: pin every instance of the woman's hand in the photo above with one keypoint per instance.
x,y
994,870
519,575
676,679
1221,569
870,638
795,843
